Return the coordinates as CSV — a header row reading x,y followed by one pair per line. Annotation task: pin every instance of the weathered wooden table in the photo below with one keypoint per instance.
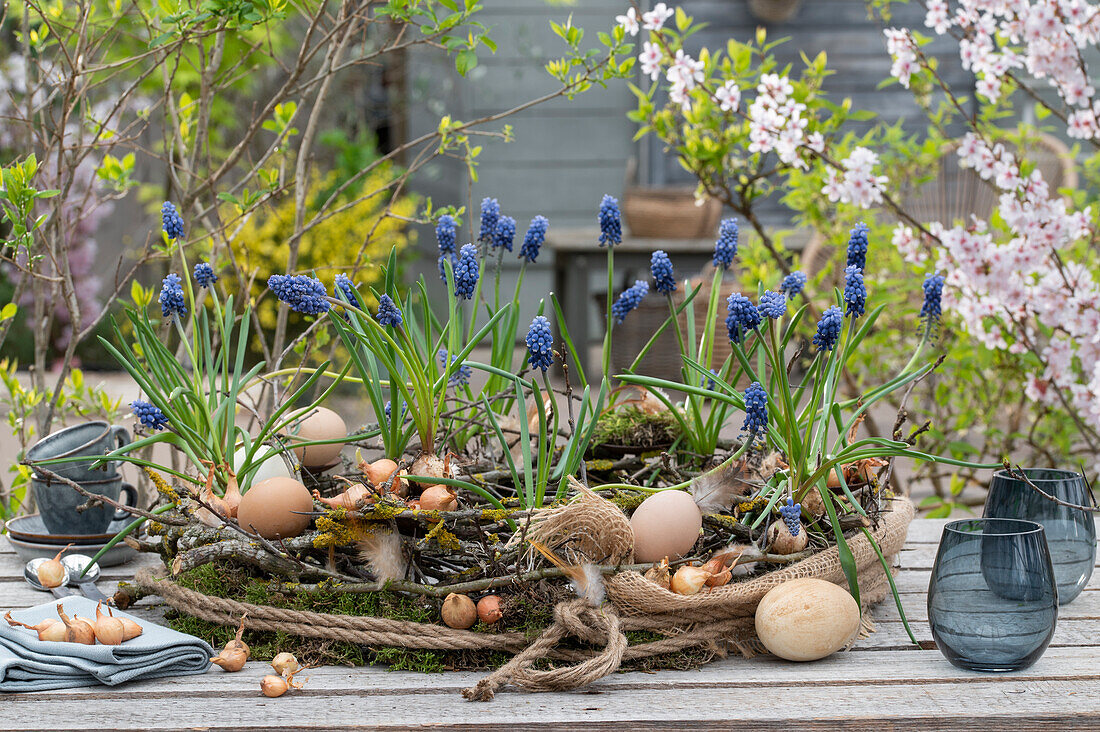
x,y
884,682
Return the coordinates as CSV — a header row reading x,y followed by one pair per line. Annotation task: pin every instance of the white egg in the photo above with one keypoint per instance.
x,y
273,467
807,619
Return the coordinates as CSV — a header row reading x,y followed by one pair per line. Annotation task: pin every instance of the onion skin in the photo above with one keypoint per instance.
x,y
459,611
659,573
720,573
231,659
351,499
689,580
488,609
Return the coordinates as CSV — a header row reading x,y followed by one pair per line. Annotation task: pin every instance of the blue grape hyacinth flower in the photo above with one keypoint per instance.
x,y
171,297
467,271
725,249
773,305
460,375
855,291
792,284
742,316
611,222
756,409
445,234
931,309
171,221
792,516
828,329
504,235
388,313
204,274
857,247
149,414
301,293
490,214
629,299
344,288
534,238
660,266
540,343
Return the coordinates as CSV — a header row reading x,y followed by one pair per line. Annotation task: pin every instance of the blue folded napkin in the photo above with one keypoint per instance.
x,y
28,664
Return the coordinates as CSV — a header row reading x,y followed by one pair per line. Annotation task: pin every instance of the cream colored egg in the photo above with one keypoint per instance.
x,y
665,525
276,508
807,619
318,423
274,467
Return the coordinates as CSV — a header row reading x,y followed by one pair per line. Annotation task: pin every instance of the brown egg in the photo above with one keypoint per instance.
x,y
665,525
269,507
807,619
318,423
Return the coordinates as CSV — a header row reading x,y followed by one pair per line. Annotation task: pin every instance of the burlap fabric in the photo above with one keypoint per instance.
x,y
587,529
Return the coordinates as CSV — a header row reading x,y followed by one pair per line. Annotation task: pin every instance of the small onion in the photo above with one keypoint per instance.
x,y
351,499
273,686
108,630
720,573
438,498
285,663
488,609
48,629
781,541
78,630
459,611
689,580
130,629
235,653
52,573
659,573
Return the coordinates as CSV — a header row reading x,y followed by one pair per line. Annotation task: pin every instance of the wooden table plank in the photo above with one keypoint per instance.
x,y
883,682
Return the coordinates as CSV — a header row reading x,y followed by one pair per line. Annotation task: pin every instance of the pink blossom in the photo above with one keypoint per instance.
x,y
655,19
629,21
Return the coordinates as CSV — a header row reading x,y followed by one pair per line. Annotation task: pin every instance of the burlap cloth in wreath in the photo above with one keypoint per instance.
x,y
590,529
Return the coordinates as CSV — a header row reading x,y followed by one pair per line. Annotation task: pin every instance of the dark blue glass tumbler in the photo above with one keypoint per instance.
x,y
1071,532
992,600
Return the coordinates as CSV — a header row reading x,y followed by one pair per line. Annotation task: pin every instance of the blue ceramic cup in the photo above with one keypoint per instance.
x,y
1070,532
57,504
88,440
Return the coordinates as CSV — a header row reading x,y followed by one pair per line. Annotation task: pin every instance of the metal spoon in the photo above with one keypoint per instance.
x,y
74,565
30,573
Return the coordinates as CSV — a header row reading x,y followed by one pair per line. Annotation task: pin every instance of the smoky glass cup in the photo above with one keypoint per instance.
x,y
992,599
1070,532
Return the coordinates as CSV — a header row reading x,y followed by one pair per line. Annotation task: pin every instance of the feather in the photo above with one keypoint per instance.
x,y
719,489
381,552
586,579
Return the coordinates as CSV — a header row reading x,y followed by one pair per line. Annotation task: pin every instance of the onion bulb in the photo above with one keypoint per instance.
x,y
439,498
431,466
52,573
274,686
459,611
659,573
235,653
78,630
130,629
108,630
232,497
351,499
488,609
285,663
782,541
382,472
688,580
48,629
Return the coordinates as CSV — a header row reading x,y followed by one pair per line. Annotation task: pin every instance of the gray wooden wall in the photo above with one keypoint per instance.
x,y
568,153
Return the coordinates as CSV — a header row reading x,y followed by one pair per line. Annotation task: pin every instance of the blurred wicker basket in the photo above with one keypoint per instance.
x,y
669,213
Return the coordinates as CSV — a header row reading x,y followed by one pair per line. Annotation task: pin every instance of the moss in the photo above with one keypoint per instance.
x,y
599,466
631,426
628,500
